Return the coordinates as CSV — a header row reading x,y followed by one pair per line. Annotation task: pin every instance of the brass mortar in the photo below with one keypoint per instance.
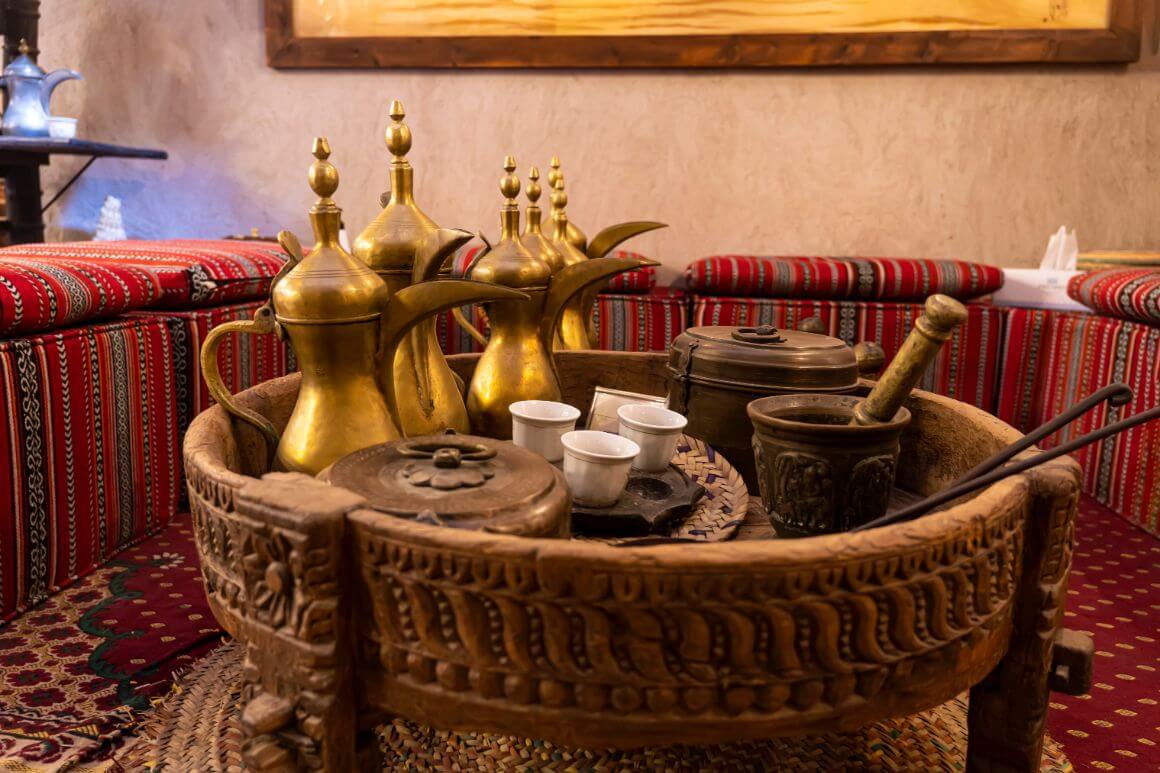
x,y
818,473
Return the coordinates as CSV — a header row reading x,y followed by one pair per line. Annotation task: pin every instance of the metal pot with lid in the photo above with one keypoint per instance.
x,y
460,481
714,372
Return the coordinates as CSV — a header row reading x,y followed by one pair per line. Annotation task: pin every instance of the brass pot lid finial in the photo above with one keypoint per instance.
x,y
575,236
398,138
509,186
509,262
328,284
533,192
323,179
570,253
534,238
389,244
398,134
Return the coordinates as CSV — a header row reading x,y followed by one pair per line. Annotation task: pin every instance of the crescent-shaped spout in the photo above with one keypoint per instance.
x,y
614,235
51,81
574,279
411,305
434,252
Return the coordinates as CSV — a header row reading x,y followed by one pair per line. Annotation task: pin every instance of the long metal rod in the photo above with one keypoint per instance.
x,y
954,492
1116,394
68,184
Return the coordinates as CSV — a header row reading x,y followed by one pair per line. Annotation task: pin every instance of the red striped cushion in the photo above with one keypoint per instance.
x,y
39,294
1055,359
1124,293
966,369
463,259
243,360
639,280
89,458
841,278
640,323
192,272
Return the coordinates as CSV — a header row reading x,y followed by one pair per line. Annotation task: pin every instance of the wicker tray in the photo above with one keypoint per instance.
x,y
720,513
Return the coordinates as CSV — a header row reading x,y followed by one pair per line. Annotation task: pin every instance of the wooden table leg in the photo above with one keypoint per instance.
x,y
22,188
1008,710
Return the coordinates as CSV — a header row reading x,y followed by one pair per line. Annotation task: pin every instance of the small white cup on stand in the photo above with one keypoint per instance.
x,y
655,429
538,425
596,465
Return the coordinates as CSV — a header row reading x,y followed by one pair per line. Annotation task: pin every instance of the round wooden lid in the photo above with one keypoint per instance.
x,y
461,481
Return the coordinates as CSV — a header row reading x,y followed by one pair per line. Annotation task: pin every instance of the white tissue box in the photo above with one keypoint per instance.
x,y
1040,288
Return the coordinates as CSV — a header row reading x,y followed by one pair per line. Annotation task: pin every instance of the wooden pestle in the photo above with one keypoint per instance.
x,y
942,314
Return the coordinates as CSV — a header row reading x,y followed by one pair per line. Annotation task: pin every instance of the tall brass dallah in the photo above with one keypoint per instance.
x,y
578,324
404,247
345,326
517,363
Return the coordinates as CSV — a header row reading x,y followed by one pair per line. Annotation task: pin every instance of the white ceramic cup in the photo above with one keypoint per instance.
x,y
596,465
653,428
62,128
538,425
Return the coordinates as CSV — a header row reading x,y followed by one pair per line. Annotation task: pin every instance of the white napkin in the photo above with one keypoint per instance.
x,y
1061,251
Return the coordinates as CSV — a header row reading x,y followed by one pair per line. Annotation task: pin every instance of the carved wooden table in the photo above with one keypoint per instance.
x,y
350,616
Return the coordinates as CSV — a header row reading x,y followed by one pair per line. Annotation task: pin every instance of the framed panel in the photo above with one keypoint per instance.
x,y
696,33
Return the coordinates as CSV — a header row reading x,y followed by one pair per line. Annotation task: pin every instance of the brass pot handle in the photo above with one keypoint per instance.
x,y
471,329
263,322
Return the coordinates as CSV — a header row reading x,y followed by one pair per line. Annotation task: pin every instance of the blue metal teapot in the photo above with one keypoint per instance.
x,y
29,91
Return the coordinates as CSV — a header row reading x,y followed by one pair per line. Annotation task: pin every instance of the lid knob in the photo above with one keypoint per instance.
x,y
448,458
534,188
554,172
762,334
323,177
509,186
398,134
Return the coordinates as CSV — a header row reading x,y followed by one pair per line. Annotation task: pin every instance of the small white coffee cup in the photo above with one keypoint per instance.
x,y
596,465
538,425
62,128
655,429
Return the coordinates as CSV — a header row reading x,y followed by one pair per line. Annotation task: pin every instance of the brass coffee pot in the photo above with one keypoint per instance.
x,y
517,363
577,328
567,246
404,247
344,323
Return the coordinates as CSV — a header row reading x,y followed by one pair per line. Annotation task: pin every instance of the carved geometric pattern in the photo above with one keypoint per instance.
x,y
609,641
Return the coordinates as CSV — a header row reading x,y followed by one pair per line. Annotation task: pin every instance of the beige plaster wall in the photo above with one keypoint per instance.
x,y
974,163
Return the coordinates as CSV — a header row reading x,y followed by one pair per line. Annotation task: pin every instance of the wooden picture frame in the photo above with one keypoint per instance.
x,y
1118,41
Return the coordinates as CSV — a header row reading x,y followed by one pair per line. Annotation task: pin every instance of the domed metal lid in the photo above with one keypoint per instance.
x,y
461,481
763,358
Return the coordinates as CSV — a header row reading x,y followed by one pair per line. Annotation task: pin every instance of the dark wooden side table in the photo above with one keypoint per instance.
x,y
20,162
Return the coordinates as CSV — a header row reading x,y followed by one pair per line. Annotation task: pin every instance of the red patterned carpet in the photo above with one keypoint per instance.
x,y
77,674
1115,598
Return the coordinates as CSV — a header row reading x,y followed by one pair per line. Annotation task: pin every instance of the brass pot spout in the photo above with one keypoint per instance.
x,y
409,308
572,281
577,326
